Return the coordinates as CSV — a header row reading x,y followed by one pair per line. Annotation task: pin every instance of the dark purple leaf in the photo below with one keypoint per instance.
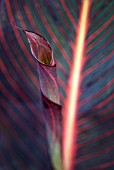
x,y
23,137
43,53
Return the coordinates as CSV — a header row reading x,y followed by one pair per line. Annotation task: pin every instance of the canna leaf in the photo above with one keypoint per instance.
x,y
42,51
71,106
23,136
95,125
88,105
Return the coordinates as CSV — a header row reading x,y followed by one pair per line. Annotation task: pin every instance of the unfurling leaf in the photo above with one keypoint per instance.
x,y
43,53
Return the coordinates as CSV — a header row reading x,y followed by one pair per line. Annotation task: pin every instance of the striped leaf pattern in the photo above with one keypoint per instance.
x,y
43,53
23,143
96,112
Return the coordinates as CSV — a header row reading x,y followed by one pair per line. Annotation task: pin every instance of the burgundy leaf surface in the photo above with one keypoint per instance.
x,y
24,141
43,54
42,51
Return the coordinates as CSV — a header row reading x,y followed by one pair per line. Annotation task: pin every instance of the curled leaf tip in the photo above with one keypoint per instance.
x,y
40,48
